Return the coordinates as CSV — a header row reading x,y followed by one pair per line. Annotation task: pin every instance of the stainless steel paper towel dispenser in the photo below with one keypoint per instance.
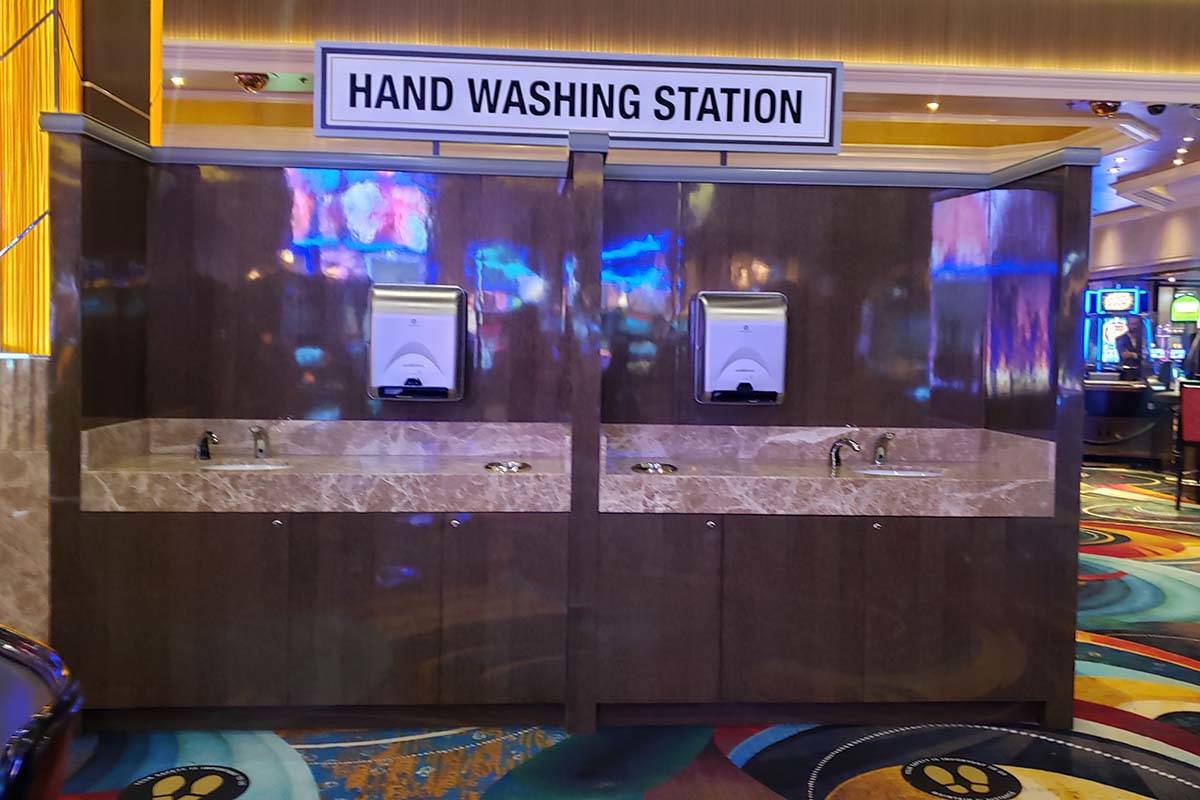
x,y
740,344
418,337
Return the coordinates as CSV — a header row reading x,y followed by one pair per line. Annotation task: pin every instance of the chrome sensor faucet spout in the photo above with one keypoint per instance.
x,y
881,447
203,451
835,450
262,442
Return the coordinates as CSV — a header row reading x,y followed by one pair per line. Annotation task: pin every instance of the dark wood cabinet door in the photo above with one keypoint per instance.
x,y
967,609
792,614
504,605
658,608
365,609
179,610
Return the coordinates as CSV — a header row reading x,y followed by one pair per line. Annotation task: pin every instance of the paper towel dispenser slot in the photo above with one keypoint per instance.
x,y
740,346
418,340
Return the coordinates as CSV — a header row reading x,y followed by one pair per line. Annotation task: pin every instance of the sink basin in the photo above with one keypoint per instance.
x,y
889,472
245,466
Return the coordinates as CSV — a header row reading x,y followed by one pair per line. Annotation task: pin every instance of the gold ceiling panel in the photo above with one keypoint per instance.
x,y
1157,36
879,132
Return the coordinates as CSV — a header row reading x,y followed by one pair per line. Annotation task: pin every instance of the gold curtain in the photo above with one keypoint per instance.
x,y
30,73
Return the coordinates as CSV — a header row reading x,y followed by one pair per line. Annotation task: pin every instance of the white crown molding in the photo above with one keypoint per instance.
x,y
237,96
872,158
1170,189
1121,215
536,161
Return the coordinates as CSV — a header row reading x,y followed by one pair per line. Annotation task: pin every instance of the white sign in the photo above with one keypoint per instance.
x,y
410,92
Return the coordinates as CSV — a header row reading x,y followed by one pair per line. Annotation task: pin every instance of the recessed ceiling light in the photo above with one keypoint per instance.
x,y
177,81
1189,139
1113,170
1181,150
933,105
1119,159
1171,279
1178,162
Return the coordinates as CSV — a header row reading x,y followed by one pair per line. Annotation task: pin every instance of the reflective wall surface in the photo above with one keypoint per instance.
x,y
260,278
853,262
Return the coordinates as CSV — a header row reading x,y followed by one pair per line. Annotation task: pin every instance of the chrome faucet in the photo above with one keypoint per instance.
x,y
835,450
881,447
202,447
262,443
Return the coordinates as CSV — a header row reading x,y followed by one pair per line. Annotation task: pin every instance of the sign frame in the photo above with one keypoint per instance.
x,y
554,136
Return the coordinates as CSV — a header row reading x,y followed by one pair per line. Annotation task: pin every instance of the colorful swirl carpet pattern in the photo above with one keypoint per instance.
x,y
1136,732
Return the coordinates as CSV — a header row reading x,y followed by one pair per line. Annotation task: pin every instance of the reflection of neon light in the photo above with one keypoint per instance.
x,y
324,412
631,248
502,270
308,356
363,210
631,265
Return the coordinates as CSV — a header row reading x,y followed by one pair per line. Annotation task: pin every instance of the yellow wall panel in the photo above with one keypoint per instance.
x,y
27,88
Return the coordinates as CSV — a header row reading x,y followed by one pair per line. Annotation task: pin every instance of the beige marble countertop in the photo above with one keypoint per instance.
x,y
961,490
327,484
414,467
989,475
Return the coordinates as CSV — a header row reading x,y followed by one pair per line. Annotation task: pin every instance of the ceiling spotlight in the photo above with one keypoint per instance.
x,y
1178,162
1156,108
1119,159
252,82
1189,139
1181,150
1113,170
177,81
933,105
1104,108
1171,279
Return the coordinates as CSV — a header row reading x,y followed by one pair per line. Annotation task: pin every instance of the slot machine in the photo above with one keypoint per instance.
x,y
1106,317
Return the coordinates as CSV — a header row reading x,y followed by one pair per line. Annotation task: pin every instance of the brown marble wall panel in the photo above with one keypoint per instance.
x,y
23,386
1019,374
261,279
68,597
24,496
853,262
112,275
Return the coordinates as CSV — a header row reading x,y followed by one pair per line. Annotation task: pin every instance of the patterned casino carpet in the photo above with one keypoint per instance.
x,y
1136,733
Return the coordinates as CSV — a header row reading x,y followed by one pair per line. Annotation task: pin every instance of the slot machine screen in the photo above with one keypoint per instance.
x,y
1109,333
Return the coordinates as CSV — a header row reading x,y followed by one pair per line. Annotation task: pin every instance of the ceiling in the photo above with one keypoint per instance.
x,y
1114,36
968,131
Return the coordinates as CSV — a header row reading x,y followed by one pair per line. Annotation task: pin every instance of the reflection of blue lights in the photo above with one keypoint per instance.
x,y
951,270
362,210
642,349
920,394
631,248
632,264
502,269
308,356
392,575
511,262
321,180
324,412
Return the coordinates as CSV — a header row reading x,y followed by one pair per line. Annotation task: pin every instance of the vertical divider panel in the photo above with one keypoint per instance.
x,y
586,194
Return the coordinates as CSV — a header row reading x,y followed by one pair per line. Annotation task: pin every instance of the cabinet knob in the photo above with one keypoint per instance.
x,y
277,523
710,524
454,523
877,526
